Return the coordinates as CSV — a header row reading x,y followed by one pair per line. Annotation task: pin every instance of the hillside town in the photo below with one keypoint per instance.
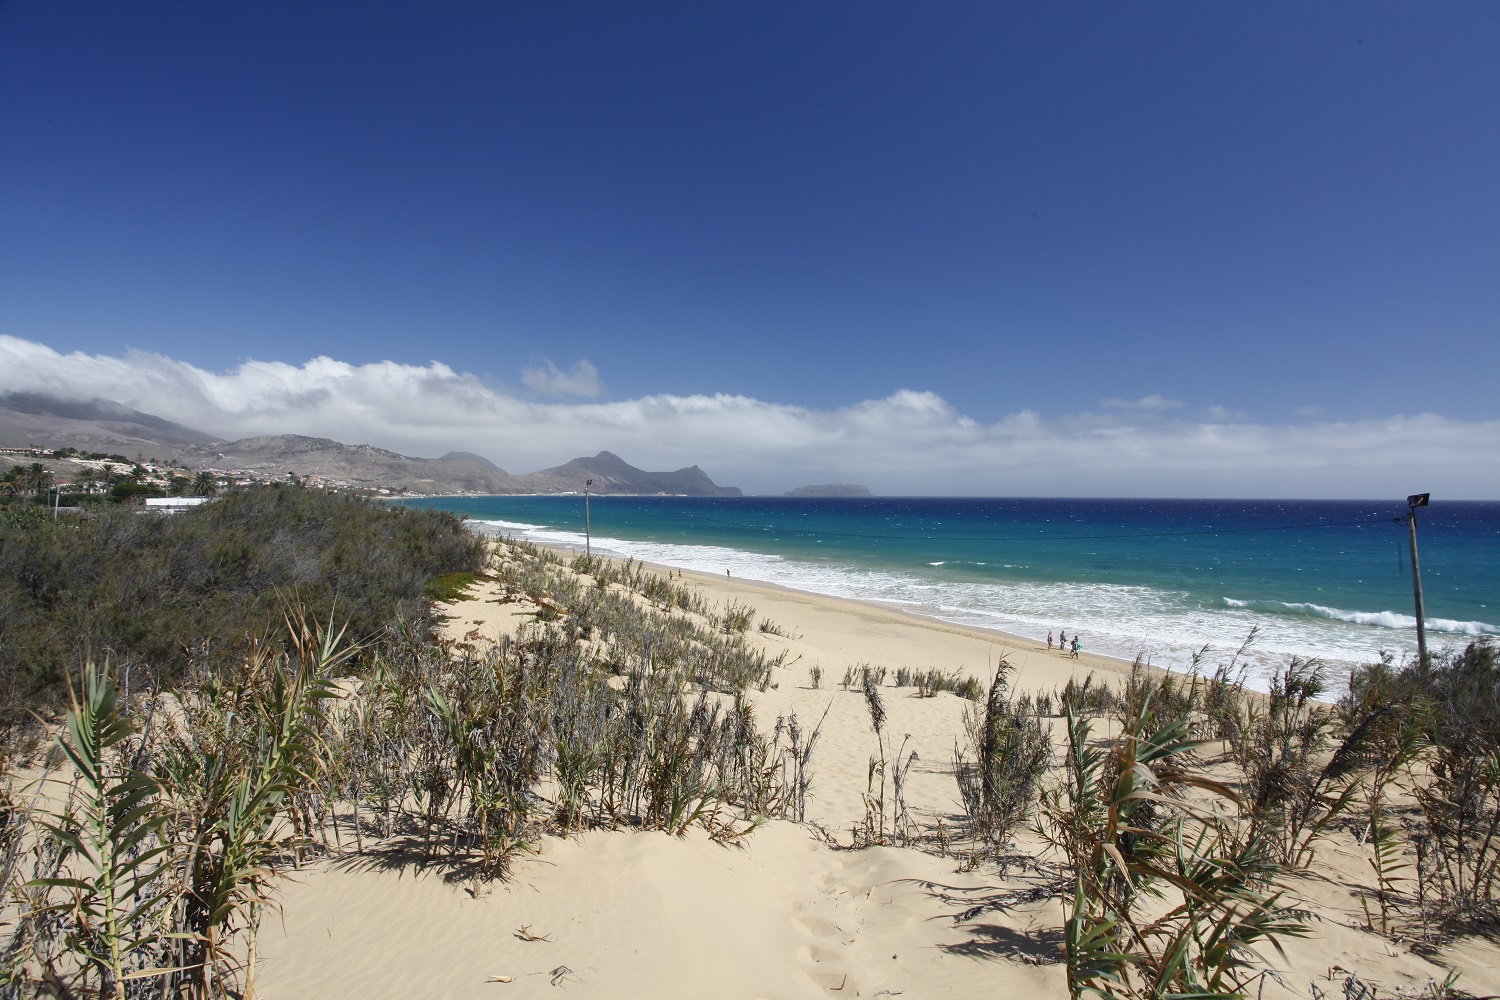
x,y
69,478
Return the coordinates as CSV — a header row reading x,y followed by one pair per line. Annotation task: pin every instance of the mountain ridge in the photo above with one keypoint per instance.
x,y
33,418
612,474
100,425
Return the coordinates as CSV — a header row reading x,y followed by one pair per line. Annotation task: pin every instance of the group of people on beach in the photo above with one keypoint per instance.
x,y
1062,643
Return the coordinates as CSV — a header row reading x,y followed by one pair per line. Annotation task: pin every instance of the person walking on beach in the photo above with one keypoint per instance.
x,y
1062,640
1049,639
1074,654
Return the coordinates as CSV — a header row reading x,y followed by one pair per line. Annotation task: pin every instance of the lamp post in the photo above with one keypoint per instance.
x,y
588,544
1412,503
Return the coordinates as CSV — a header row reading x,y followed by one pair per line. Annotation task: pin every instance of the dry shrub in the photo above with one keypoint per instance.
x,y
1000,773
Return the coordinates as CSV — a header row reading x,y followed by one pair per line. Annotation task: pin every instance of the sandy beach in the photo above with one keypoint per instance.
x,y
789,910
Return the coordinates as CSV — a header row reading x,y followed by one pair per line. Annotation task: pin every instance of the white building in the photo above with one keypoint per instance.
x,y
175,503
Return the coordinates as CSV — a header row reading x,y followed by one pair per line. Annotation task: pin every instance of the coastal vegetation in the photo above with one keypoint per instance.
x,y
1000,774
226,694
157,595
142,850
1179,860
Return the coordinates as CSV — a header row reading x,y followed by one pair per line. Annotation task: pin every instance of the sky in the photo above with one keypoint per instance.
x,y
973,248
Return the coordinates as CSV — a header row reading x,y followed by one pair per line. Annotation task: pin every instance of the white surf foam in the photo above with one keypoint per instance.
x,y
1168,628
1394,619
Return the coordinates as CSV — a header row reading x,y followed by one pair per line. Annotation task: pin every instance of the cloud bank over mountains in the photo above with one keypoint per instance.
x,y
910,442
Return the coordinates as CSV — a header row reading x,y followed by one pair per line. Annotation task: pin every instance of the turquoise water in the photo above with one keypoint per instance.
x,y
1326,579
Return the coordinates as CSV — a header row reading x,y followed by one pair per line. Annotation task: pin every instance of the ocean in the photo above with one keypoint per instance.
x,y
1329,580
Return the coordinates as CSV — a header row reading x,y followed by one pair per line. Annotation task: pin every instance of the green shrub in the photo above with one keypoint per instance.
x,y
1452,704
24,516
157,592
127,492
446,588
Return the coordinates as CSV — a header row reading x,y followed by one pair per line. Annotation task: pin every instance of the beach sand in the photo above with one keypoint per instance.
x,y
784,912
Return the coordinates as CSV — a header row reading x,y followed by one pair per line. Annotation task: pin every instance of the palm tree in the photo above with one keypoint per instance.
x,y
38,477
13,483
206,484
88,479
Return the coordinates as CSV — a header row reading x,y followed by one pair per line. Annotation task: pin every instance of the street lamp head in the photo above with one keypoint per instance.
x,y
1417,500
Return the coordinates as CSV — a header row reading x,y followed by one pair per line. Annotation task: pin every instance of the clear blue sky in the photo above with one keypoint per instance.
x,y
1263,206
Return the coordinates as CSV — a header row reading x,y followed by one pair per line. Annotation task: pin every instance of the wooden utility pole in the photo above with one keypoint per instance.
x,y
588,542
1412,503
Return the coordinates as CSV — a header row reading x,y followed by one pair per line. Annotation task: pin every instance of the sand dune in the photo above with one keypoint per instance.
x,y
784,912
649,915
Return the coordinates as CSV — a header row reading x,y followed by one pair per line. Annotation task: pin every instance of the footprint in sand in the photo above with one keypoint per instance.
x,y
819,927
823,956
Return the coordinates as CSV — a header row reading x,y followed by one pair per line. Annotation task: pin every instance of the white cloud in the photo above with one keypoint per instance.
x,y
582,381
1146,404
909,442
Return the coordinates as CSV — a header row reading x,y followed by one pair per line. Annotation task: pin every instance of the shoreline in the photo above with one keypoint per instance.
x,y
854,605
746,588
1178,606
795,906
1126,640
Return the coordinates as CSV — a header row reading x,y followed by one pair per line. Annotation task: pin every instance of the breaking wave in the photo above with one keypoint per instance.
x,y
1394,619
1169,627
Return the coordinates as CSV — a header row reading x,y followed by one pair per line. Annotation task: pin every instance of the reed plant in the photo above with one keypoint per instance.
x,y
768,627
1089,699
872,829
1165,898
237,774
1456,784
737,618
1000,772
931,681
1300,771
1399,745
1160,696
179,812
903,826
800,745
1223,706
114,880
